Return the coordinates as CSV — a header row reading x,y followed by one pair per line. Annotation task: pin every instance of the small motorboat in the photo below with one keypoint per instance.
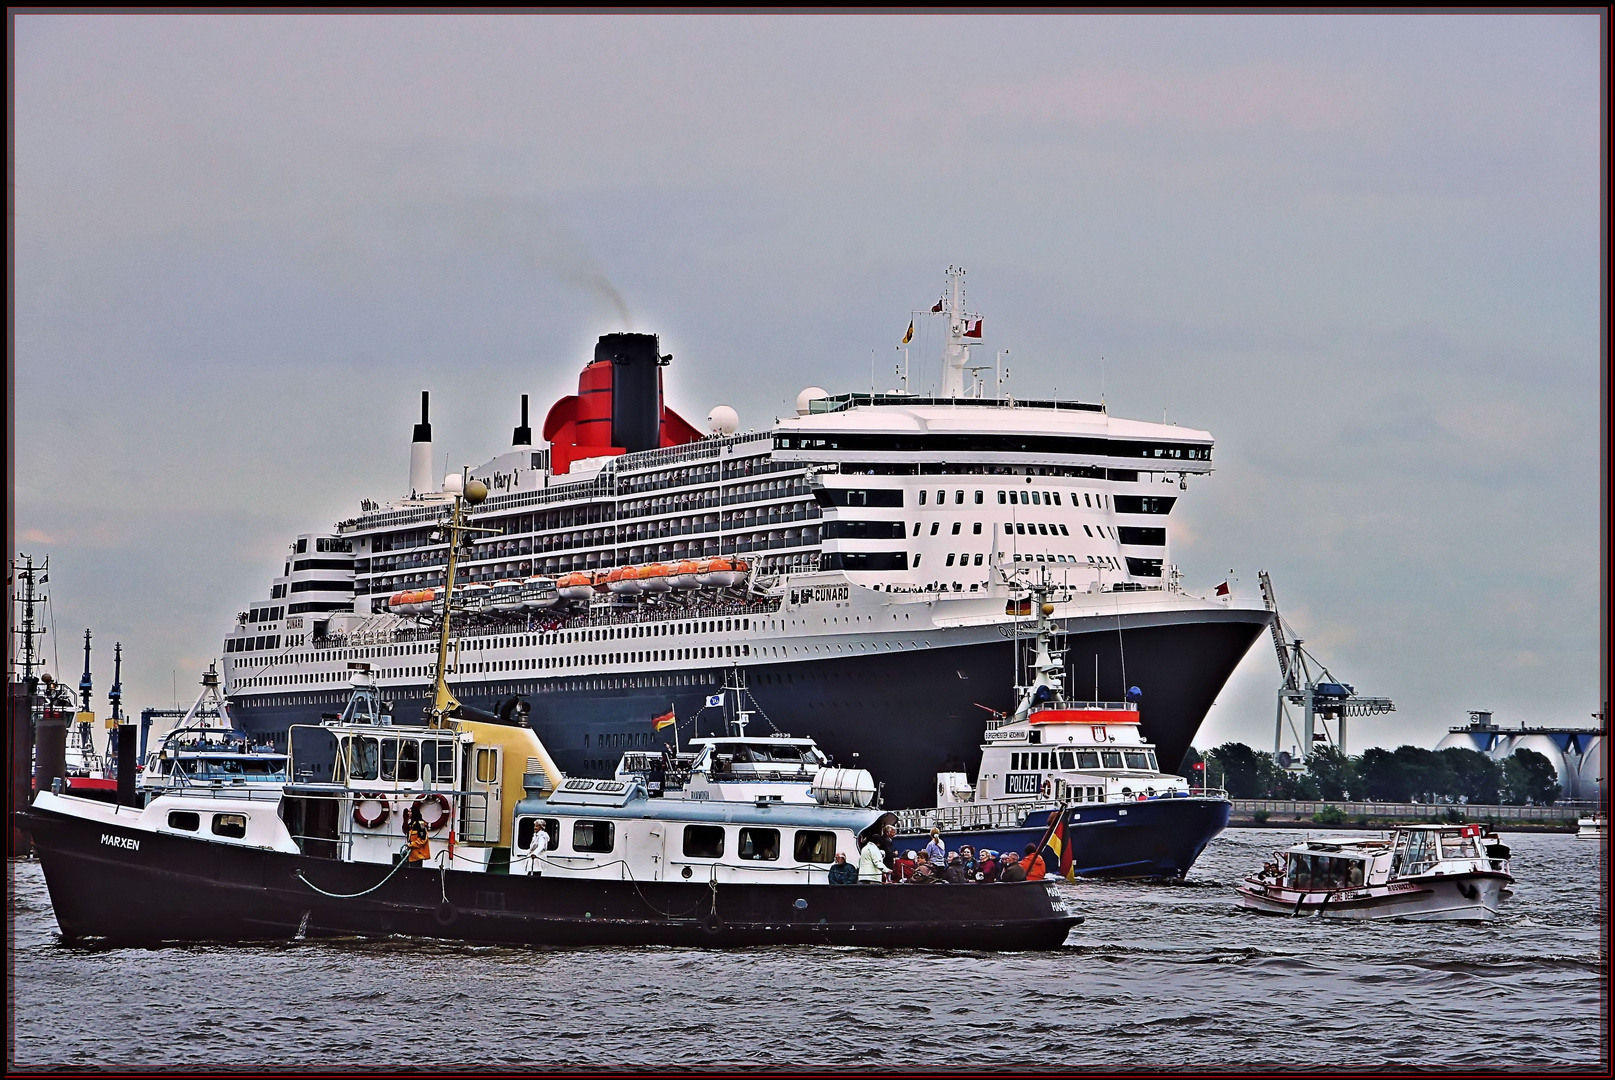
x,y
538,593
1421,873
1593,826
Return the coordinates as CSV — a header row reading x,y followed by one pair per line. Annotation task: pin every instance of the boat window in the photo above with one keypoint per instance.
x,y
487,765
760,844
409,760
231,825
813,846
1087,759
703,841
1137,759
593,836
1112,758
526,826
184,819
1354,876
362,755
1068,760
389,759
1454,846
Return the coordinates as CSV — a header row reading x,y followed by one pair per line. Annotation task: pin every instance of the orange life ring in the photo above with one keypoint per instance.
x,y
368,821
445,811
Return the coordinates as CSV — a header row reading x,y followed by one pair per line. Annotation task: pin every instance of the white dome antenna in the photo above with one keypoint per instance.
x,y
723,420
812,393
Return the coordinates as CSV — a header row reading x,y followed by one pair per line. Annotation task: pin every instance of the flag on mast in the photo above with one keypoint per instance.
x,y
1222,590
667,719
937,308
908,337
974,331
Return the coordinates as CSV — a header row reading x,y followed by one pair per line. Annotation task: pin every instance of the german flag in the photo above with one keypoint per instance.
x,y
1018,607
667,719
908,337
1060,844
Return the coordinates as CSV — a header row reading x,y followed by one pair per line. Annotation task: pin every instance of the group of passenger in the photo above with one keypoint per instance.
x,y
879,861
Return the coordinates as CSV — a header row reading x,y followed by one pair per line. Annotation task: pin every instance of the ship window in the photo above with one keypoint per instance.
x,y
593,836
957,525
409,760
233,826
362,759
1063,531
950,559
978,498
1067,760
1000,496
813,846
916,528
1036,499
935,525
389,759
1020,527
958,497
1087,759
1087,530
1009,529
1056,498
527,826
184,819
1112,759
703,841
1137,759
978,563
1025,498
941,497
1044,529
922,497
759,844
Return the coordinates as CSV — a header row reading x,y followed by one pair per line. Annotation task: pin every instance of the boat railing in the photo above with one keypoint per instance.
x,y
992,815
1001,720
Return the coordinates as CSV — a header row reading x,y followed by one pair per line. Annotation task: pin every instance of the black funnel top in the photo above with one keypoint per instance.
x,y
636,389
524,434
423,430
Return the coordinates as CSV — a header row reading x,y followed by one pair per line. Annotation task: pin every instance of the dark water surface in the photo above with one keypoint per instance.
x,y
1158,976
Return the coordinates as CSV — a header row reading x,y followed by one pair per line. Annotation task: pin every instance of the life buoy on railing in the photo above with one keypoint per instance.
x,y
370,809
445,811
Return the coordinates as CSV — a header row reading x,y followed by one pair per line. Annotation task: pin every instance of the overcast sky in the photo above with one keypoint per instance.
x,y
1363,251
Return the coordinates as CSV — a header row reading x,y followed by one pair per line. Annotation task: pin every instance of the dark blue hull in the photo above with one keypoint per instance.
x,y
904,716
1153,838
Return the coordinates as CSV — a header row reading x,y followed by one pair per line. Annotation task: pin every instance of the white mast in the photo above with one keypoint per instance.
x,y
955,354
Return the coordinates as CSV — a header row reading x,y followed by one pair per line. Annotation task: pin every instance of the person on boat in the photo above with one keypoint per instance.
x,y
843,872
987,866
936,849
1033,862
888,846
903,867
420,845
1013,870
954,873
967,859
871,867
924,872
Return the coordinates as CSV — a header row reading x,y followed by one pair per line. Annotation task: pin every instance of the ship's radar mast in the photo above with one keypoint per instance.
x,y
956,353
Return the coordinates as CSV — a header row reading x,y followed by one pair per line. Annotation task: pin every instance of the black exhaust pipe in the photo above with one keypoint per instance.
x,y
636,389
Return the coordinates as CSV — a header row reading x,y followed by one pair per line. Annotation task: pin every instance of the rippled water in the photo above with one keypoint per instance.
x,y
1157,976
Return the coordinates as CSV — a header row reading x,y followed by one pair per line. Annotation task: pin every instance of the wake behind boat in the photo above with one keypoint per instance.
x,y
463,827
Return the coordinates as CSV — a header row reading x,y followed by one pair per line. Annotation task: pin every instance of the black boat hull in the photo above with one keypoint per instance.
x,y
902,715
115,886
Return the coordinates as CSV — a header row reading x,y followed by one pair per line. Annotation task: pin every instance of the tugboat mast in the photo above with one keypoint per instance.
x,y
466,494
28,628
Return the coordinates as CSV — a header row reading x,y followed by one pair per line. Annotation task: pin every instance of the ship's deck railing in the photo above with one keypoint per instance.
x,y
1110,706
1009,815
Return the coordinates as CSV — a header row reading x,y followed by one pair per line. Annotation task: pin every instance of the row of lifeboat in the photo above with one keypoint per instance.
x,y
538,593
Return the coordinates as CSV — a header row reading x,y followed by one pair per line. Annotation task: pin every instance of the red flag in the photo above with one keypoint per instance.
x,y
937,308
1222,590
974,331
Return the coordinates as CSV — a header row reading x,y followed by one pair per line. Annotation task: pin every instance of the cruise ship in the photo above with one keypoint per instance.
x,y
863,561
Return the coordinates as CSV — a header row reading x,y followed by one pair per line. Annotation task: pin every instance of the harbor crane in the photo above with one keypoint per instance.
x,y
1308,686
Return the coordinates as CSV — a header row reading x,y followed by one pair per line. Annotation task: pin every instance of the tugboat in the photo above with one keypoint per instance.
x,y
463,827
1423,873
206,750
1081,764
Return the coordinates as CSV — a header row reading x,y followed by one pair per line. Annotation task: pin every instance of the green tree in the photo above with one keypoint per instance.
x,y
1427,773
1529,778
1245,773
1383,776
1334,773
1476,777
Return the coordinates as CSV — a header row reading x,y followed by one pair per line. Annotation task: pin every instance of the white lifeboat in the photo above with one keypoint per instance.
x,y
473,597
505,595
539,593
654,577
624,581
578,585
682,574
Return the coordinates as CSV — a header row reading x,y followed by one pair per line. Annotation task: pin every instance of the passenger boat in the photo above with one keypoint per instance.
x,y
1084,762
1593,826
508,850
1421,873
206,752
